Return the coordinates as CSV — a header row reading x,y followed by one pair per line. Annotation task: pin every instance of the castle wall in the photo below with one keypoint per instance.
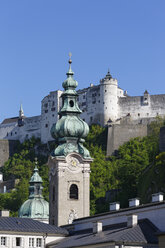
x,y
99,104
50,107
31,127
137,108
6,150
89,103
8,131
162,140
119,134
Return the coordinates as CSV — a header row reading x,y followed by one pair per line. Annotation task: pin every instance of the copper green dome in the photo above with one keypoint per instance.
x,y
70,130
35,207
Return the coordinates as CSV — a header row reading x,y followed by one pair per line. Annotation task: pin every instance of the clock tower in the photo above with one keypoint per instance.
x,y
69,163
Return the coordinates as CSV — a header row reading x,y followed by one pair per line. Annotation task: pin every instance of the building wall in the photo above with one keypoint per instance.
x,y
31,127
155,213
137,108
50,107
11,239
8,131
63,174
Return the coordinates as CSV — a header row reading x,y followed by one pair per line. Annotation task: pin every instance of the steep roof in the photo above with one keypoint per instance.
x,y
10,120
13,224
143,233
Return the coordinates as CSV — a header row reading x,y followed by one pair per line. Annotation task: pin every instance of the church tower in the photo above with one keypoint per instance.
x,y
35,207
69,163
21,117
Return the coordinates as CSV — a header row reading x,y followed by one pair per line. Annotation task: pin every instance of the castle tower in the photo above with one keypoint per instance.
x,y
108,99
35,207
69,164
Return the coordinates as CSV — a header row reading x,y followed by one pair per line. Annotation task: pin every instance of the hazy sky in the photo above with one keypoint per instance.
x,y
36,36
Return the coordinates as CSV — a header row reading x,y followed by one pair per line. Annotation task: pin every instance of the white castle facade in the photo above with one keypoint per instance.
x,y
100,104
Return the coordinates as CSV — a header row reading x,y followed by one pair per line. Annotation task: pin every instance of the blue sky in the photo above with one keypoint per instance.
x,y
36,36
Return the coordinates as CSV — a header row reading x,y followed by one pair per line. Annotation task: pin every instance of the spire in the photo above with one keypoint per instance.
x,y
21,113
35,188
70,130
108,76
70,84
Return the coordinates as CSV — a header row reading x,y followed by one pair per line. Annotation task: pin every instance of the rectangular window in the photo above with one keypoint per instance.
x,y
38,242
31,242
18,241
3,240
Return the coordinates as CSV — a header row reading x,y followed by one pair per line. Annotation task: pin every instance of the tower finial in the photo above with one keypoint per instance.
x,y
36,163
70,73
108,76
70,55
21,113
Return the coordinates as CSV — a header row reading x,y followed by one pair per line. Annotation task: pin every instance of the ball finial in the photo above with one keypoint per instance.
x,y
70,55
36,161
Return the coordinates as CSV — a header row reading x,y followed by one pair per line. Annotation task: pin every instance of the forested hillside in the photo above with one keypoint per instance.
x,y
137,170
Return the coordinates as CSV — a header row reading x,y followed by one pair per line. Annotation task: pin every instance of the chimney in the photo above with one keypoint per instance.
x,y
132,220
134,202
114,206
158,197
97,227
4,213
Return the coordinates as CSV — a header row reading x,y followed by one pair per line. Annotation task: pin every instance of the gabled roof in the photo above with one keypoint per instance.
x,y
13,224
10,120
143,233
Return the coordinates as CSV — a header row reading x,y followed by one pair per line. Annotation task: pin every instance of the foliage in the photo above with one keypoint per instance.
x,y
131,171
21,166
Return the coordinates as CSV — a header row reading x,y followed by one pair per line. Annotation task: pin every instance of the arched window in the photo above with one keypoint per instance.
x,y
73,192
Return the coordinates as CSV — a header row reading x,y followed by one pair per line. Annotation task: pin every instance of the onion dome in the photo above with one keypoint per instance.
x,y
70,130
35,207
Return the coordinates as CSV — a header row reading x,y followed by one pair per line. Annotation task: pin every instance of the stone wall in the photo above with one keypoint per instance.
x,y
137,107
7,148
162,140
119,134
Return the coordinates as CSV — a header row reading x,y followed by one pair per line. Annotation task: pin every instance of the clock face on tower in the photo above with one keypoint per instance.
x,y
73,163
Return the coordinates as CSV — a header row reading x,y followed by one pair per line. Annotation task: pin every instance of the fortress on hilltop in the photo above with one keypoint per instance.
x,y
103,104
